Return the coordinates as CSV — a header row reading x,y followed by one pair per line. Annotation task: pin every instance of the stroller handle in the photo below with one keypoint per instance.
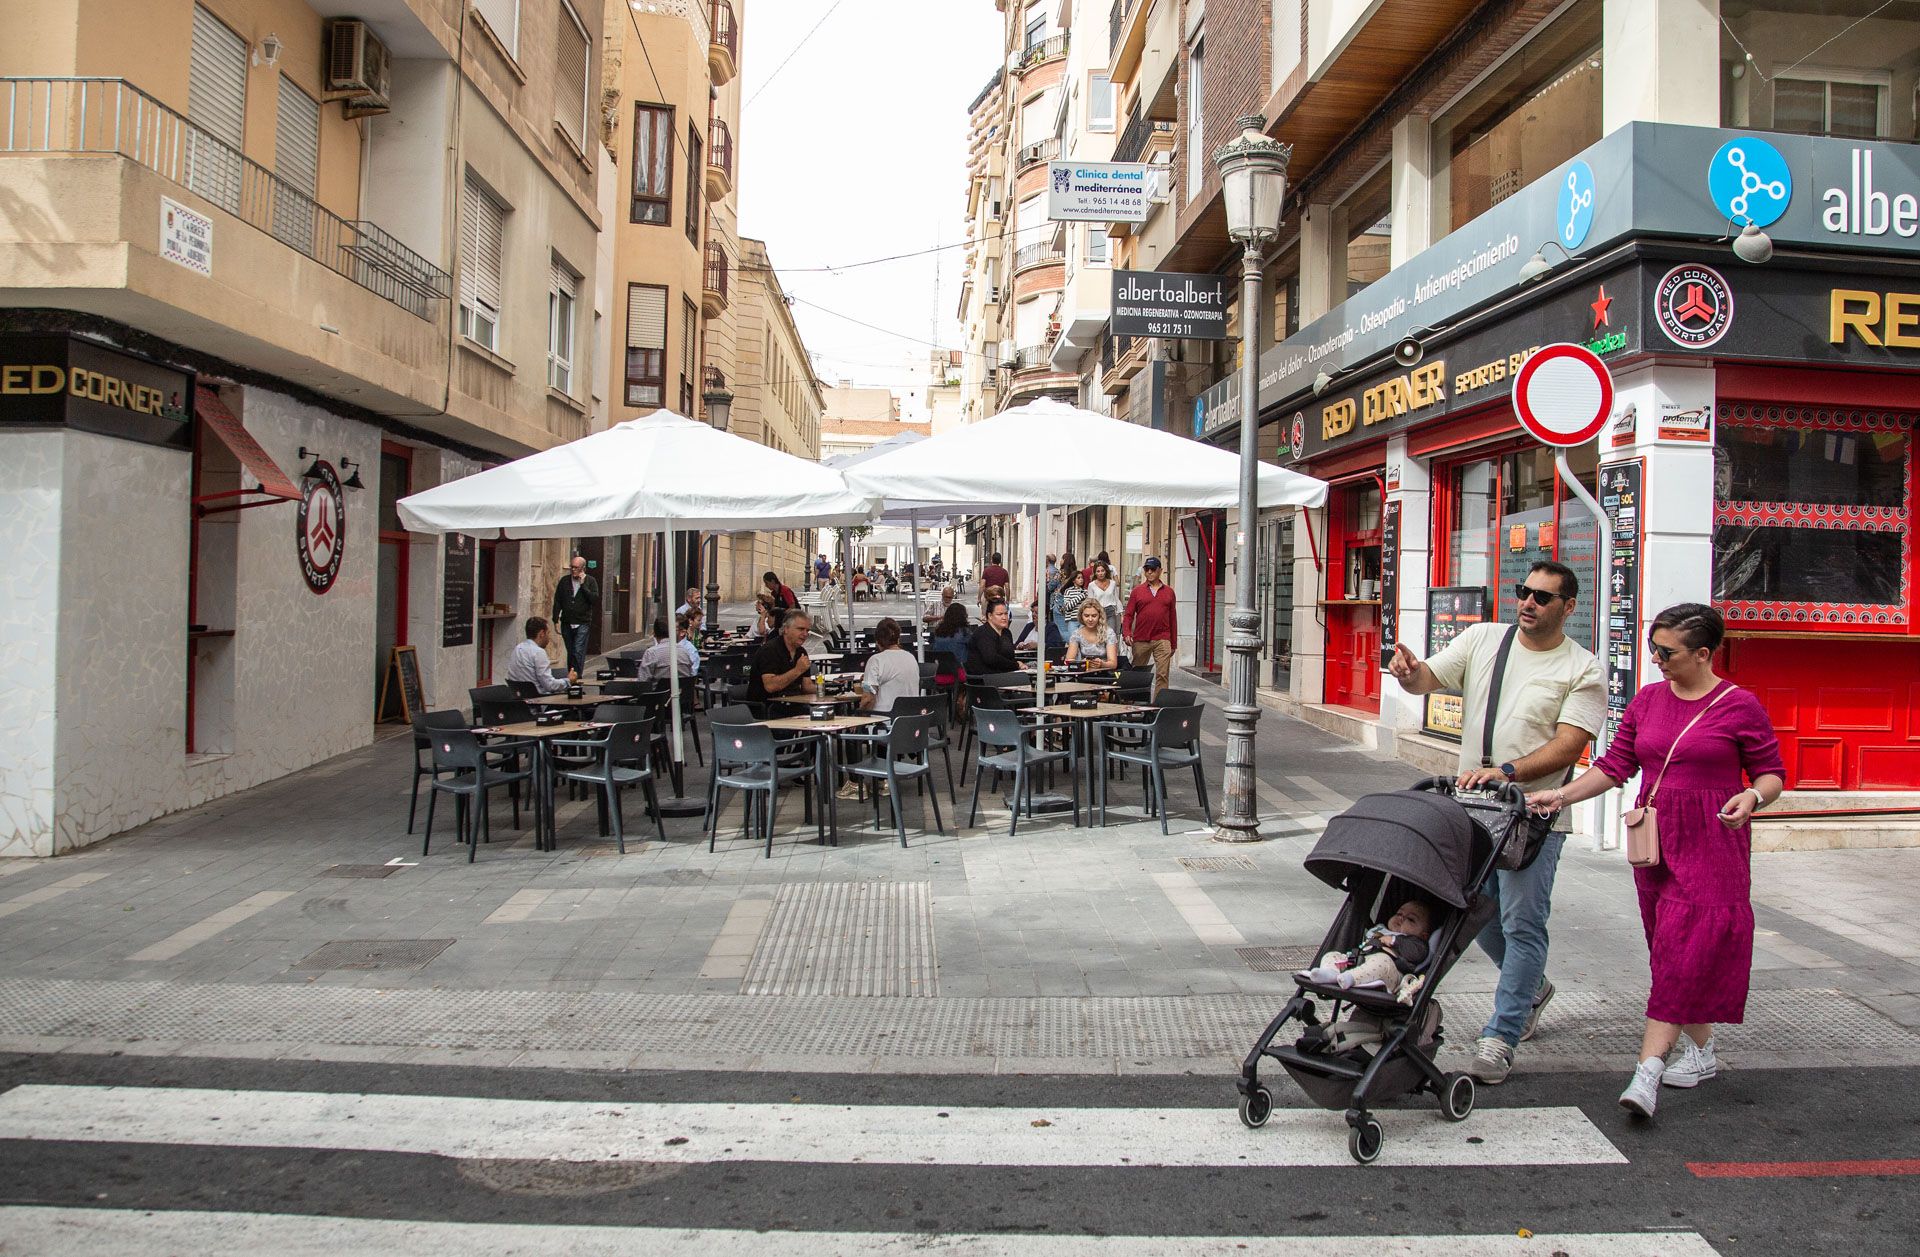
x,y
1511,796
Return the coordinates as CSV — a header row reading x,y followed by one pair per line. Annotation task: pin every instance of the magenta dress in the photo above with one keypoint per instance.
x,y
1696,904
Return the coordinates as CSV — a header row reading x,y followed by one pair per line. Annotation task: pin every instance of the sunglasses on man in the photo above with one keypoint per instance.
x,y
1544,597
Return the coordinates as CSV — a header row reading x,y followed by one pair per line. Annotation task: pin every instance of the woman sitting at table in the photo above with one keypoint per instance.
x,y
990,649
891,673
1094,642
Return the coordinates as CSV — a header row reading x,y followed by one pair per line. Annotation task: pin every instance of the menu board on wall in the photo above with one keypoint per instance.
x,y
1451,610
1389,583
1621,485
456,592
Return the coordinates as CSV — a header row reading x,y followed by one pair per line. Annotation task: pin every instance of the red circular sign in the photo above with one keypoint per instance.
x,y
322,526
1563,395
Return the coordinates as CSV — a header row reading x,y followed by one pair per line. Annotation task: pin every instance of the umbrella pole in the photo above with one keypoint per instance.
x,y
1040,612
919,579
677,803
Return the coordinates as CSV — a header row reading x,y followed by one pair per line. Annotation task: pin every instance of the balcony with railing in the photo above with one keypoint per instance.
x,y
713,289
1141,137
110,116
723,46
1043,254
1038,53
1117,22
719,160
1035,153
1121,357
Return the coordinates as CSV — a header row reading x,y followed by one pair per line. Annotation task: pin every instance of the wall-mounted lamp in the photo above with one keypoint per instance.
x,y
1321,383
313,469
353,481
1537,266
268,52
1752,244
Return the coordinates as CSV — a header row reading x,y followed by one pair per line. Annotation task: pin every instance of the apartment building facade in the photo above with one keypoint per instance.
x,y
265,268
1707,196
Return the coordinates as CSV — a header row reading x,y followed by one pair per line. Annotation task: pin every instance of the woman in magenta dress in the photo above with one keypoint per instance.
x,y
1696,904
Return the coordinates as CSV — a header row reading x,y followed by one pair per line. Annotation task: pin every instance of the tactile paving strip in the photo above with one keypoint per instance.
x,y
701,1027
846,938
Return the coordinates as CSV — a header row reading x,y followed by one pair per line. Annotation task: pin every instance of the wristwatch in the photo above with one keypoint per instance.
x,y
1506,770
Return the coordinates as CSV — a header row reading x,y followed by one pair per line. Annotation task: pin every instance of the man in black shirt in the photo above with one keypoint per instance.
x,y
781,665
575,599
991,647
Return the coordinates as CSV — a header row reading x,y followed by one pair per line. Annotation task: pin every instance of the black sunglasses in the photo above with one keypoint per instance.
x,y
1544,597
1664,653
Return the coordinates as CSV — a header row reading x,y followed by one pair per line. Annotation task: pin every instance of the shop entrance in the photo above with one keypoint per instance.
x,y
390,590
1353,594
1275,565
1203,540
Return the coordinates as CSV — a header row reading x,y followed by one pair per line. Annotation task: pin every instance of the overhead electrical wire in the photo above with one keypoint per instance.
x,y
791,55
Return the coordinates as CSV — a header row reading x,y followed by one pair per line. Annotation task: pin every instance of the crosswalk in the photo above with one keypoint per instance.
x,y
1133,1169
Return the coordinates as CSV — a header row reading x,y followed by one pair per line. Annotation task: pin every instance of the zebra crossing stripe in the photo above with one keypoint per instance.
x,y
594,1131
138,1233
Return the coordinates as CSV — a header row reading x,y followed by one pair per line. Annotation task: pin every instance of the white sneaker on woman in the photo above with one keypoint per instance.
x,y
1643,1093
1697,1063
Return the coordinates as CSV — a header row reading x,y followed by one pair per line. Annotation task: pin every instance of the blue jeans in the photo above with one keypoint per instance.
x,y
1516,938
575,636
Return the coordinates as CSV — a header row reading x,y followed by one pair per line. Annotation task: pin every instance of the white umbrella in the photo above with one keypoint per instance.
x,y
656,473
1047,453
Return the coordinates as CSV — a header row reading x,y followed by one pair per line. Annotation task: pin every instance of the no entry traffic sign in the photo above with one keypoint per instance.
x,y
1563,394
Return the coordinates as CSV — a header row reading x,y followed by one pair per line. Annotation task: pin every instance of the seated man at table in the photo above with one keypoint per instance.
x,y
663,654
691,603
891,674
938,611
529,663
991,648
781,665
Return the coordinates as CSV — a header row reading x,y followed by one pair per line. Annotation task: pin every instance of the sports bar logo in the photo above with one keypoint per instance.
x,y
1693,305
322,525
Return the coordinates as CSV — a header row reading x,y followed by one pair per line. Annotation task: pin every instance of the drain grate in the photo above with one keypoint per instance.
x,y
1278,959
361,870
1216,863
376,953
846,938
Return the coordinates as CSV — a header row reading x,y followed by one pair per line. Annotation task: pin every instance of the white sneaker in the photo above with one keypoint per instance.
x,y
1492,1060
1695,1066
1643,1093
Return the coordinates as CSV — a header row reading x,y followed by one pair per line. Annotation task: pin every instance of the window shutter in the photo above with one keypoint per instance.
x,y
689,324
563,280
217,79
469,239
646,316
296,142
483,224
570,87
504,17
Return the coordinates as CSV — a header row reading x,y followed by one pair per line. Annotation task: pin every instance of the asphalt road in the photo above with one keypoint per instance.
x,y
256,1152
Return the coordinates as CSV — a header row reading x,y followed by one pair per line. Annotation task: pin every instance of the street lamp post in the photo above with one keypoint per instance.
x,y
719,404
1253,181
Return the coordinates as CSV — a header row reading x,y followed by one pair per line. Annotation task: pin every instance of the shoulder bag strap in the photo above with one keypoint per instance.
x,y
1725,690
1493,696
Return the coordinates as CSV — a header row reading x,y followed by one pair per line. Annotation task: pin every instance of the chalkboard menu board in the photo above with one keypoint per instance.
x,y
456,592
1451,610
401,685
1389,583
1621,485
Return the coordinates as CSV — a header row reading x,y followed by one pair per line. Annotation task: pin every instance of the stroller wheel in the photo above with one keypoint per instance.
x,y
1256,1107
1456,1102
1365,1141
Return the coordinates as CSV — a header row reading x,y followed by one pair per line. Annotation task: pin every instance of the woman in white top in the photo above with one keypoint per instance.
x,y
891,673
1105,590
1094,641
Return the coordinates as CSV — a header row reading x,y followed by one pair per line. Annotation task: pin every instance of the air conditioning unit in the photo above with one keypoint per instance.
x,y
359,68
993,295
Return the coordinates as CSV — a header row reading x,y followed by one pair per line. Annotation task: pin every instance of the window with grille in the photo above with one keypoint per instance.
x,y
296,161
503,16
696,185
482,226
646,345
217,108
562,307
570,81
652,163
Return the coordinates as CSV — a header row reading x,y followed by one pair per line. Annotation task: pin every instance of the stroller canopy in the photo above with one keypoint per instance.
x,y
1416,835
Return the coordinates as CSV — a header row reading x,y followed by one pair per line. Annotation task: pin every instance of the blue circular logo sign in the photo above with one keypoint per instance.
x,y
1199,415
1750,181
1574,218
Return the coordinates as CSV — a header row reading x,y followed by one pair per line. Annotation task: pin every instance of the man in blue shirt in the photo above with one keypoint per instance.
x,y
529,664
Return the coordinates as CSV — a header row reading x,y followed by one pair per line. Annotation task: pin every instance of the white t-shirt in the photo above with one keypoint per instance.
x,y
1108,598
1542,689
890,675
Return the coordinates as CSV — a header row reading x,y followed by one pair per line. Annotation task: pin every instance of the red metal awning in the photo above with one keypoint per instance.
x,y
257,463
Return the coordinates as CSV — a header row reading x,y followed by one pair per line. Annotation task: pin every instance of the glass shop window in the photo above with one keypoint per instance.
x,y
1507,511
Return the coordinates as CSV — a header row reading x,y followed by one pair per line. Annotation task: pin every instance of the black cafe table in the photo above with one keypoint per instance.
x,y
540,736
826,755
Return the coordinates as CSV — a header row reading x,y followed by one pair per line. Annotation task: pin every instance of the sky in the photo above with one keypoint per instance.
x,y
854,149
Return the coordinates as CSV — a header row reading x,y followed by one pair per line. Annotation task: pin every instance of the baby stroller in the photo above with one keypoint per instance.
x,y
1385,849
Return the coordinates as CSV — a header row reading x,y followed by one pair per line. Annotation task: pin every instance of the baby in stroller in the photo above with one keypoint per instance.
x,y
1385,953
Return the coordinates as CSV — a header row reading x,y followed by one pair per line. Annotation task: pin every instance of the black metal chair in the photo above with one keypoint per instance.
x,y
524,689
463,768
903,753
1172,741
1133,685
618,759
424,725
501,711
746,760
626,667
939,738
1008,746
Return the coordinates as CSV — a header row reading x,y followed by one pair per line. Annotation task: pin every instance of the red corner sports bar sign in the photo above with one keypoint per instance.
x,y
322,525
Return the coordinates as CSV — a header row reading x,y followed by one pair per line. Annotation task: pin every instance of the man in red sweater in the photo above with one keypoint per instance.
x,y
1148,622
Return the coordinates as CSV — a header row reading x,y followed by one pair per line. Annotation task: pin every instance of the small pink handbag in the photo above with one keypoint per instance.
x,y
1643,823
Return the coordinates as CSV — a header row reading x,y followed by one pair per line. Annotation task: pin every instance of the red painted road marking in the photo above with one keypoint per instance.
x,y
1802,1169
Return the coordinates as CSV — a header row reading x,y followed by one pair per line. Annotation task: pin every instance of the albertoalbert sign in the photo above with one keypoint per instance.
x,y
1164,303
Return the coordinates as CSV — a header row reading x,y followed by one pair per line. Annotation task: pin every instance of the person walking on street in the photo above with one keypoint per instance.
x,y
1552,704
691,603
575,600
1103,589
1708,760
993,575
822,571
781,593
1150,623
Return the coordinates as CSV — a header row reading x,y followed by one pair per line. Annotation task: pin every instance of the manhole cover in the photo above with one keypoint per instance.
x,y
376,953
1215,863
1278,959
361,870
